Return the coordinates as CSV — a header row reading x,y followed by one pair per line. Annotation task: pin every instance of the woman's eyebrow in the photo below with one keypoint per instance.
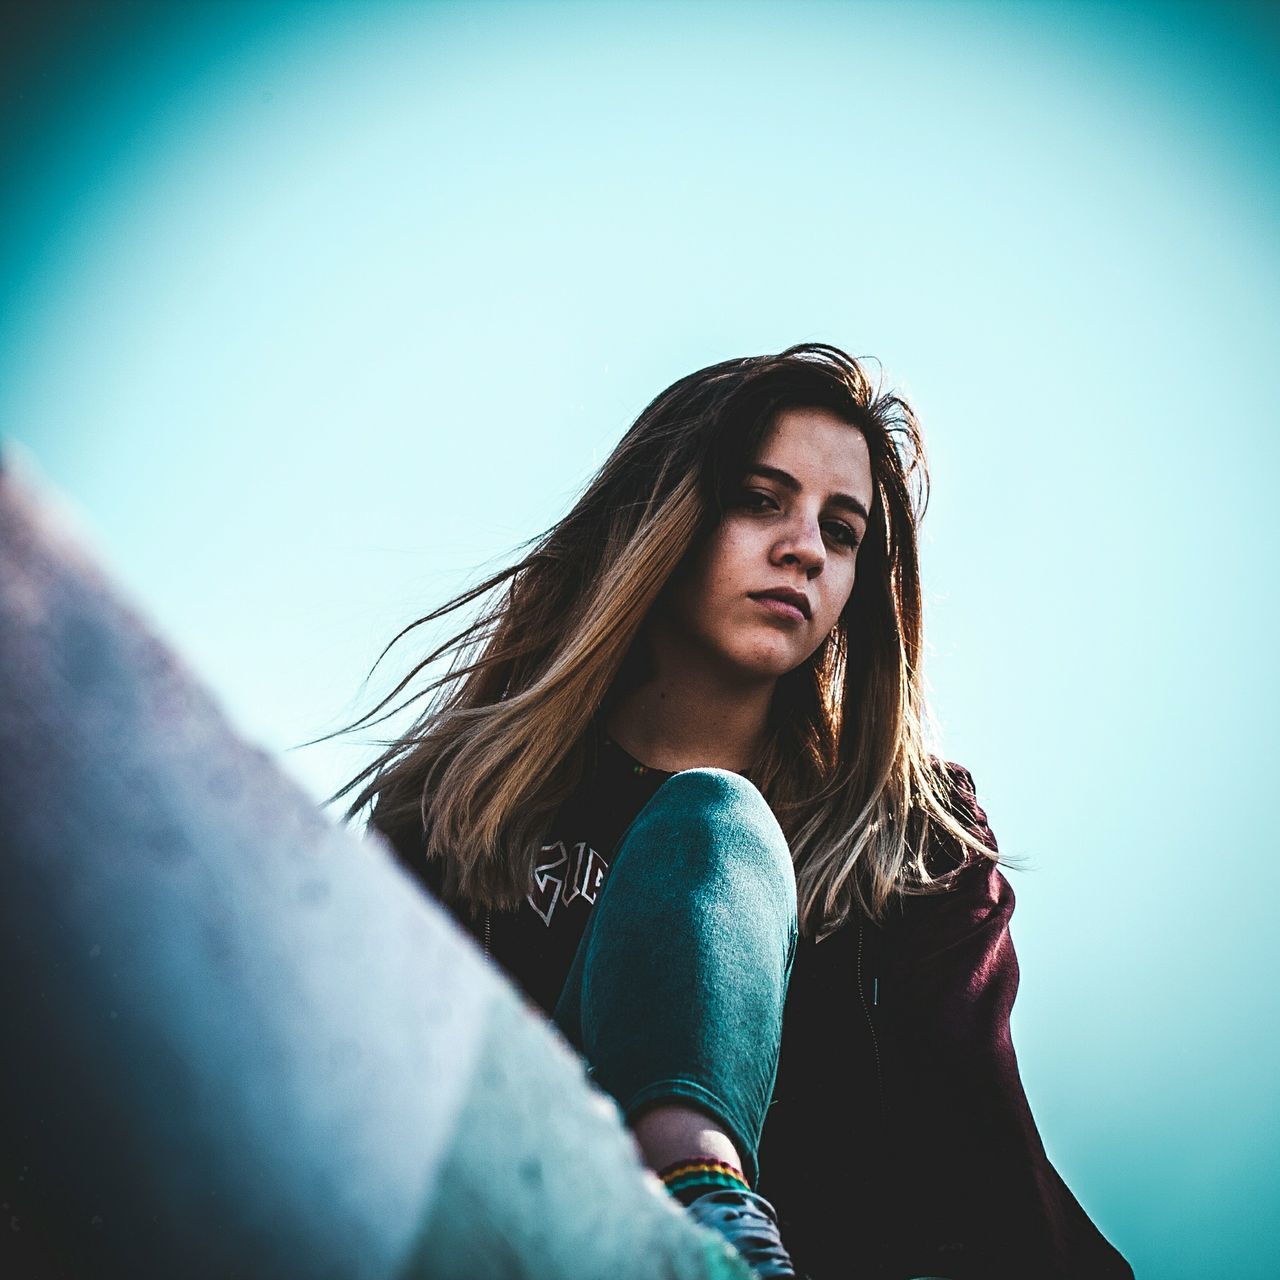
x,y
792,485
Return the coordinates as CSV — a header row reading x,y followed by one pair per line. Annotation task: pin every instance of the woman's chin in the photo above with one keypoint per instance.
x,y
768,664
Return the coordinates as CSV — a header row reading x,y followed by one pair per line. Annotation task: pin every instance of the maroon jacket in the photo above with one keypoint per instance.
x,y
900,1142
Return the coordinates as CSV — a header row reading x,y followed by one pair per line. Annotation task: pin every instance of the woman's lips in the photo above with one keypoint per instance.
x,y
780,608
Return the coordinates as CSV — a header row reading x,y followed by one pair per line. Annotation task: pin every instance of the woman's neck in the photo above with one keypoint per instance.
x,y
684,720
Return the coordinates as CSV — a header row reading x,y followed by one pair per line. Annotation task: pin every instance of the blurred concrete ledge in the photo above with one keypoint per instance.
x,y
240,1041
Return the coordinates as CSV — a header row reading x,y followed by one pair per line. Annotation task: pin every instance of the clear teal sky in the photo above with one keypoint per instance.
x,y
313,311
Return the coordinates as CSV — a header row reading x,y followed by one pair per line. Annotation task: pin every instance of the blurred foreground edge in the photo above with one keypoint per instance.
x,y
240,1042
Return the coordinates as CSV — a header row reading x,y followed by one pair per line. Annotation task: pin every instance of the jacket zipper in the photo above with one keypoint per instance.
x,y
488,932
866,1009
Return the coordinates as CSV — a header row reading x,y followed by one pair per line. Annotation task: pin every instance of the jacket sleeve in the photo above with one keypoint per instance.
x,y
970,1147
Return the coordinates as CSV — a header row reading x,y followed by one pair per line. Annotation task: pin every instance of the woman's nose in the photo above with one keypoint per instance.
x,y
802,545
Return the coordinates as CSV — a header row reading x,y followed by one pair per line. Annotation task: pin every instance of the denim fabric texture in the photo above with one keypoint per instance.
x,y
677,989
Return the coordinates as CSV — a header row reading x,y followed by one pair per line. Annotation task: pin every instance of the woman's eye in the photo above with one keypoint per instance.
x,y
842,534
757,500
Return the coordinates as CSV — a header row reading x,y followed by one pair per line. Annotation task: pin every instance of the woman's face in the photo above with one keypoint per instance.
x,y
769,584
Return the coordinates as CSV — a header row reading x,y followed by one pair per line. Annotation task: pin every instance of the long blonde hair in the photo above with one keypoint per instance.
x,y
512,726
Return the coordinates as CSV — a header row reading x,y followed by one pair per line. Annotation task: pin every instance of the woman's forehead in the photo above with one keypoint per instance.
x,y
818,448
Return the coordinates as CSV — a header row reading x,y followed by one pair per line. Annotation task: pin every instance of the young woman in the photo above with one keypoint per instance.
x,y
676,783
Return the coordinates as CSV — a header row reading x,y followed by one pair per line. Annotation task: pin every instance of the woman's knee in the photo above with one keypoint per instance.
x,y
712,817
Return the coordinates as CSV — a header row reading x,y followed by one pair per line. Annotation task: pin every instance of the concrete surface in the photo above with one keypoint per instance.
x,y
241,1041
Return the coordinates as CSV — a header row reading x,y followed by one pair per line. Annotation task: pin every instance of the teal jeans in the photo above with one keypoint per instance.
x,y
677,988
